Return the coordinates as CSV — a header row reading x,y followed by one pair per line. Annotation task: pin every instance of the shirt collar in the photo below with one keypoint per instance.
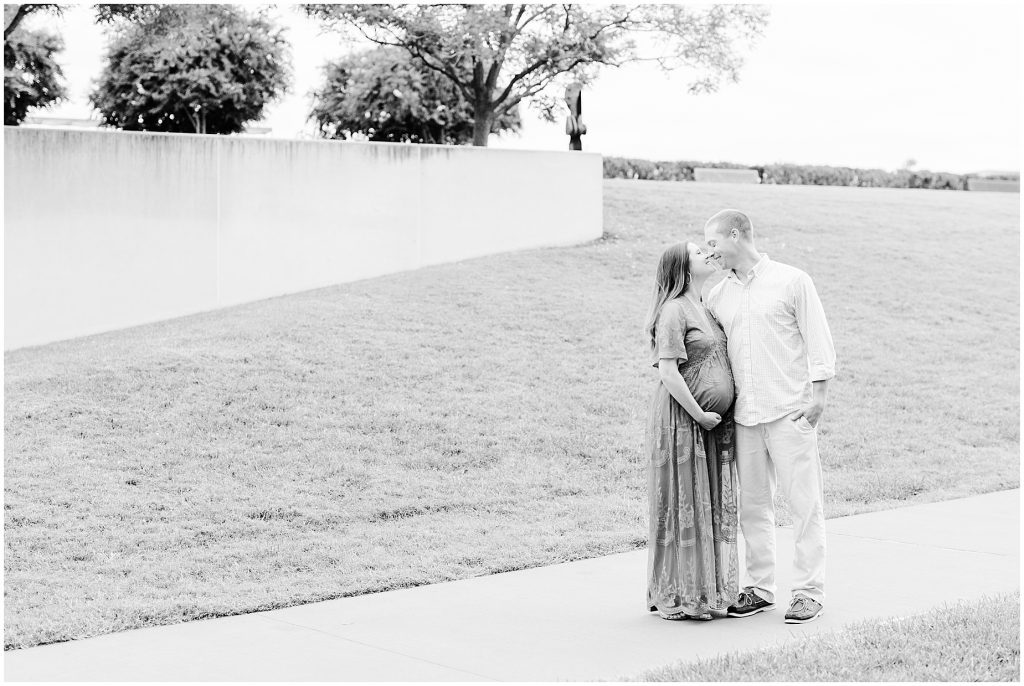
x,y
756,270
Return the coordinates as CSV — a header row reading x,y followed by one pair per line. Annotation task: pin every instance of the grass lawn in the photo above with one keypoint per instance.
x,y
477,417
962,642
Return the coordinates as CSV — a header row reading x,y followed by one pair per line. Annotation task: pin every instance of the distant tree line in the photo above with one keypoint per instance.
x,y
798,174
431,74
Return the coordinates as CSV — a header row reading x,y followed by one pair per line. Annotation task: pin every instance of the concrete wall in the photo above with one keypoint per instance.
x,y
105,230
1002,185
726,175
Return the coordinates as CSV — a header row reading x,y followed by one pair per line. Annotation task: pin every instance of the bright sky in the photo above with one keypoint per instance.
x,y
840,83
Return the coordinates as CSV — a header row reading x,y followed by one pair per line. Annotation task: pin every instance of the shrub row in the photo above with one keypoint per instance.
x,y
847,176
626,168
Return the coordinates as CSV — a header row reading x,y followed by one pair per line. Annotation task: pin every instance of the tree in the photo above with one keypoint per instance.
x,y
385,95
189,68
500,55
14,14
114,13
31,75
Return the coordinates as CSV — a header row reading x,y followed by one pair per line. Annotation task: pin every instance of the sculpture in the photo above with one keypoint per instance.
x,y
574,126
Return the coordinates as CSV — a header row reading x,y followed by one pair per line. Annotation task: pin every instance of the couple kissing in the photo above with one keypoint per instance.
x,y
743,381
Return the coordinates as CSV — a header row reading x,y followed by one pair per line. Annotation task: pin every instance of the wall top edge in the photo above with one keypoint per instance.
x,y
246,140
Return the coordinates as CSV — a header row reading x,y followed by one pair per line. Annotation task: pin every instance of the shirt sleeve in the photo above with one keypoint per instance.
x,y
671,332
810,318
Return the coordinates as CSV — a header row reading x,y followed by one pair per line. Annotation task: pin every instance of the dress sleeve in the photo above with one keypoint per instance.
x,y
671,334
711,301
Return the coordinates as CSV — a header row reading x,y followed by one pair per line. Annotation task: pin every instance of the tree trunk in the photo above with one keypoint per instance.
x,y
483,114
16,17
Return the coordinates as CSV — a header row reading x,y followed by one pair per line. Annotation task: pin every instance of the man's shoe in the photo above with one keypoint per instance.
x,y
803,609
749,603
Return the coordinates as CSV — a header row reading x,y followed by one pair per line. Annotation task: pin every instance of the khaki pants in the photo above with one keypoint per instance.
x,y
789,450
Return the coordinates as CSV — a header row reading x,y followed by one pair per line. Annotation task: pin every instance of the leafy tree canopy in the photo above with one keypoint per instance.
x,y
15,13
189,68
386,95
32,78
114,13
500,55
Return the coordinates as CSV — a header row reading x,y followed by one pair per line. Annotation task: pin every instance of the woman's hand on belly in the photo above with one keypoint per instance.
x,y
710,420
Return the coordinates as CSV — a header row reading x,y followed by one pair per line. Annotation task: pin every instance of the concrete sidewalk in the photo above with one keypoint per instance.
x,y
582,620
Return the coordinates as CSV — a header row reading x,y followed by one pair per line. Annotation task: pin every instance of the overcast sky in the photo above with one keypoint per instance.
x,y
861,84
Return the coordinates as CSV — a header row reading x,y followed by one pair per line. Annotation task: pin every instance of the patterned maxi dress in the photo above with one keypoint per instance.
x,y
692,564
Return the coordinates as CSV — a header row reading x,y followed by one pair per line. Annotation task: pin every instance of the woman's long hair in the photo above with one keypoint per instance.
x,y
671,281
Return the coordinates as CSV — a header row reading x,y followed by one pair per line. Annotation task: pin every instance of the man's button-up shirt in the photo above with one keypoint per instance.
x,y
778,339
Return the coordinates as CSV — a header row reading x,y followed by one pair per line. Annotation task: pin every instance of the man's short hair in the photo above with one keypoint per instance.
x,y
727,220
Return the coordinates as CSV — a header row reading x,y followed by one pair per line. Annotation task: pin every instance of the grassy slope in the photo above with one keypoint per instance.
x,y
476,417
963,642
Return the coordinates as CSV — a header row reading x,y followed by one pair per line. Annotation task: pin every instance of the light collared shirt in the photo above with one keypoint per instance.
x,y
778,339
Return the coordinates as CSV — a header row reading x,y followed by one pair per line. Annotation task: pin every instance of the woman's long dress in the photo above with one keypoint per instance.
x,y
692,484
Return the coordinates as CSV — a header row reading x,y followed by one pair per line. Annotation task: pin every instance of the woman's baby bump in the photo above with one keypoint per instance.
x,y
712,385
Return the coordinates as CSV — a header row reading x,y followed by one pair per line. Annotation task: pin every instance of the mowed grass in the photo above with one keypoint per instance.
x,y
963,642
478,417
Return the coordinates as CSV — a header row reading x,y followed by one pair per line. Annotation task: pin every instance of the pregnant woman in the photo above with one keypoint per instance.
x,y
692,563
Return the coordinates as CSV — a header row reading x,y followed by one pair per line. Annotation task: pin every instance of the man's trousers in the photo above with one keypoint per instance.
x,y
783,452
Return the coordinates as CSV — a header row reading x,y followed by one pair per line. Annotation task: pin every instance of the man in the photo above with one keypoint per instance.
x,y
782,357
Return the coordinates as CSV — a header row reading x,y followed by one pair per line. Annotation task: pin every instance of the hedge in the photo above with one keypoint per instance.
x,y
625,168
628,168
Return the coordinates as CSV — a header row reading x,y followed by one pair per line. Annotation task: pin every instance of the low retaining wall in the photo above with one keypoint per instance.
x,y
1003,185
108,229
726,175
